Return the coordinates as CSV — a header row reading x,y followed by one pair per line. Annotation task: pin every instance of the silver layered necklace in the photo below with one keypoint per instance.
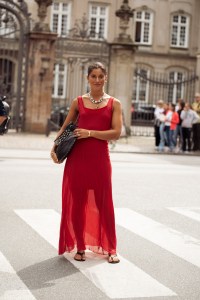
x,y
97,102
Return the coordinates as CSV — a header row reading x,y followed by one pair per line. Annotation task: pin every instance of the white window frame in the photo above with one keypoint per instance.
x,y
179,25
175,86
137,82
98,16
142,20
56,80
60,12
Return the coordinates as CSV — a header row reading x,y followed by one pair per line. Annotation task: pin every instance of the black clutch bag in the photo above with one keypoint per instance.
x,y
65,142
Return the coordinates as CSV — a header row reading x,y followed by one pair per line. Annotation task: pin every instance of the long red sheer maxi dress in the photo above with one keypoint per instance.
x,y
88,220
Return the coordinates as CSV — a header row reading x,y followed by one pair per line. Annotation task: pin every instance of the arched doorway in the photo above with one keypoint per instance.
x,y
14,27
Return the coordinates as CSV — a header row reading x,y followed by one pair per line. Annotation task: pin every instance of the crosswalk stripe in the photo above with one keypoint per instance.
x,y
183,246
12,287
187,212
124,280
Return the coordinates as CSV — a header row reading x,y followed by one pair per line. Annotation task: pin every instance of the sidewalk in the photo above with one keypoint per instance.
x,y
13,141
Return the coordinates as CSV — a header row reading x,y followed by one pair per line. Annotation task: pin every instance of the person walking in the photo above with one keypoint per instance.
x,y
88,220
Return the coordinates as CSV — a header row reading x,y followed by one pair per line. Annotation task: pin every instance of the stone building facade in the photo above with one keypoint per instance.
x,y
159,58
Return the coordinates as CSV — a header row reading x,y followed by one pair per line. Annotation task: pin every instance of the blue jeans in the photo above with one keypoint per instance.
x,y
172,143
167,132
178,132
162,137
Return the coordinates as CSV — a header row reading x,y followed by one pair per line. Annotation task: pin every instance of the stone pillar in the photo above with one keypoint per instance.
x,y
121,62
121,76
197,88
40,79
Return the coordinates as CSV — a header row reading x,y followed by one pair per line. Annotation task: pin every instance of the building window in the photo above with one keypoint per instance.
x,y
8,24
98,21
59,82
179,31
141,86
176,89
60,18
143,27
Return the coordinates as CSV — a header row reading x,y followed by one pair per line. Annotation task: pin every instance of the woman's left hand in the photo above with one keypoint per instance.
x,y
82,133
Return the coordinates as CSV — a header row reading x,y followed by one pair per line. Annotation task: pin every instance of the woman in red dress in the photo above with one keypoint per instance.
x,y
88,220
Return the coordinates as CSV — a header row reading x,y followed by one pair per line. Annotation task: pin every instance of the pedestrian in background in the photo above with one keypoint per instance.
x,y
162,118
196,103
178,132
178,103
188,117
196,125
157,121
174,122
88,220
168,118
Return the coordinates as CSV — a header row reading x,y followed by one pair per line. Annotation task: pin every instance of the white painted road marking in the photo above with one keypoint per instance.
x,y
124,280
182,245
187,212
11,286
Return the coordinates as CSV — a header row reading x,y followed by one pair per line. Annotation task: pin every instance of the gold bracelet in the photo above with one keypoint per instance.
x,y
89,133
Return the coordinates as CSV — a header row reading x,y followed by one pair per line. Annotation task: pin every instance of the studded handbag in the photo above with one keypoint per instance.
x,y
65,142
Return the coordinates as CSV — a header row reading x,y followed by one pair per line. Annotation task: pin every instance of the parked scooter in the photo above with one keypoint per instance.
x,y
4,115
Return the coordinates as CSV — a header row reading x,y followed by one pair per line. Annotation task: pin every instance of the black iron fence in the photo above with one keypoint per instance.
x,y
149,87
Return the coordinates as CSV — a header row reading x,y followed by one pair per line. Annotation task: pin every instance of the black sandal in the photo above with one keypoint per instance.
x,y
112,259
82,255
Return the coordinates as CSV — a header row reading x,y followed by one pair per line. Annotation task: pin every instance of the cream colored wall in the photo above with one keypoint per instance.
x,y
160,56
161,29
162,10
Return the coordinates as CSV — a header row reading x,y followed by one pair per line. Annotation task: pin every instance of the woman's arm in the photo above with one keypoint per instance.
x,y
111,134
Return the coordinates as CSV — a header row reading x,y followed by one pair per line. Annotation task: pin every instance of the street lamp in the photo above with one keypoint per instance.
x,y
124,13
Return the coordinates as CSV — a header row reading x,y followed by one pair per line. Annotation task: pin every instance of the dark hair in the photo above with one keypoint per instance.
x,y
182,104
173,106
96,65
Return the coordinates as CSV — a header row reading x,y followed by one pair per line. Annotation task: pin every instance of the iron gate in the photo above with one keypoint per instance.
x,y
150,86
14,27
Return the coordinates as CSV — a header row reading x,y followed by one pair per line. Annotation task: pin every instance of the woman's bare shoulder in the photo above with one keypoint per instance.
x,y
74,103
116,102
85,96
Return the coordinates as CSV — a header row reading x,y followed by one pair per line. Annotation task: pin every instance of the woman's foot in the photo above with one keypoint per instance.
x,y
80,256
113,259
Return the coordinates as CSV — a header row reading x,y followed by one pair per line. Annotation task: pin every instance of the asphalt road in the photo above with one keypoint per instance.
x,y
157,206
